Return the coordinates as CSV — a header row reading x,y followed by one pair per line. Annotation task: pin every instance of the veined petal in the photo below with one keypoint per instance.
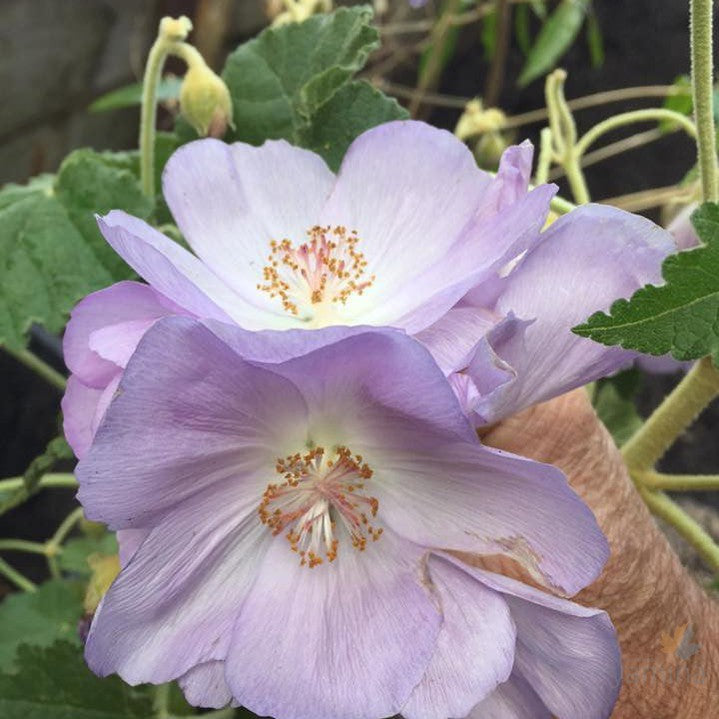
x,y
230,201
349,639
568,653
174,605
179,275
113,307
587,259
474,651
179,426
204,685
515,699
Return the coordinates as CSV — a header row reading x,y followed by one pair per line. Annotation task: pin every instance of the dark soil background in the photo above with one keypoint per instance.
x,y
62,54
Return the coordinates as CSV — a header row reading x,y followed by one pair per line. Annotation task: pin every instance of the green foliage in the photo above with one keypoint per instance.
x,y
351,110
76,551
39,619
54,683
53,253
131,95
57,449
90,183
595,41
679,317
554,39
681,102
614,404
282,80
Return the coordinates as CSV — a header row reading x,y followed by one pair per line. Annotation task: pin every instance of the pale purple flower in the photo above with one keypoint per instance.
x,y
283,500
422,240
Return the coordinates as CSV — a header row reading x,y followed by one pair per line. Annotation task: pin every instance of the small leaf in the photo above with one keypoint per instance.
x,y
353,109
75,552
614,404
131,95
90,183
682,102
681,316
595,41
554,39
55,683
39,618
47,267
283,76
521,28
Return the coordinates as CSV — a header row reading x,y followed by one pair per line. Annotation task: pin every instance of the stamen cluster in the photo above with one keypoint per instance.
x,y
315,493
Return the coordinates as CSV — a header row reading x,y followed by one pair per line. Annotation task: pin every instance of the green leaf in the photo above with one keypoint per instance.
x,y
39,618
90,183
39,185
352,110
614,404
285,83
595,41
131,95
681,103
679,317
46,267
55,683
76,551
488,34
554,39
521,28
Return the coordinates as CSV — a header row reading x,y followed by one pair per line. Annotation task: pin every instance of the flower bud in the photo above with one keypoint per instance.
x,y
205,101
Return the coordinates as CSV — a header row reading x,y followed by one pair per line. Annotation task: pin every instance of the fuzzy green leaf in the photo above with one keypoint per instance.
x,y
352,110
39,618
614,404
293,82
46,267
554,39
55,683
682,316
90,183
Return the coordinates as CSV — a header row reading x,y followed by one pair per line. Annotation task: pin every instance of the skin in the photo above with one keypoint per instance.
x,y
644,587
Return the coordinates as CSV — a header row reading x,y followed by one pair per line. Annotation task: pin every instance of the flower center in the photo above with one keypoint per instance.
x,y
317,492
313,279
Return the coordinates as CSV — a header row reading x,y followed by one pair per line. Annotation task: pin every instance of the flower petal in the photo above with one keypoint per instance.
x,y
436,484
586,259
474,651
453,338
174,605
205,686
348,639
568,653
177,274
230,201
112,307
189,413
515,699
79,405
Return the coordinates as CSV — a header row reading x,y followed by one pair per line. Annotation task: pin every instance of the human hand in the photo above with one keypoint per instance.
x,y
648,594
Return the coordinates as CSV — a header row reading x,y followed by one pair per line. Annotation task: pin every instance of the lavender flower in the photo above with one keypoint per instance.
x,y
410,234
282,501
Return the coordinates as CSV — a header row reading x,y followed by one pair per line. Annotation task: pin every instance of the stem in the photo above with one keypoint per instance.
x,y
575,176
169,33
678,410
680,482
629,118
662,506
161,702
545,156
22,545
702,88
49,480
20,581
561,206
33,362
53,545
